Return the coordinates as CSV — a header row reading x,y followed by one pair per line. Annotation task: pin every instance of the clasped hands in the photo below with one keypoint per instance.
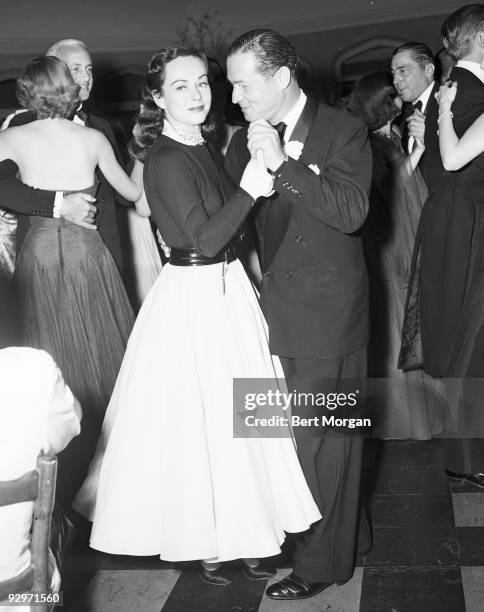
x,y
416,127
262,136
266,154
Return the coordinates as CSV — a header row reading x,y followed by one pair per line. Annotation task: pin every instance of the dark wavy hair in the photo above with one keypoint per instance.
x,y
149,122
460,30
47,88
373,99
272,50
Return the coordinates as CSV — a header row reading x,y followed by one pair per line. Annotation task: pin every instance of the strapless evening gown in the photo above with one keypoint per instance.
x,y
73,304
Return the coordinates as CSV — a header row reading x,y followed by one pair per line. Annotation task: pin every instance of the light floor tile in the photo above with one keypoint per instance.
x,y
473,581
128,590
345,598
468,509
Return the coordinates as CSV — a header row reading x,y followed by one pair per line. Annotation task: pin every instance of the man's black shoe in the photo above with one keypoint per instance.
x,y
293,587
475,479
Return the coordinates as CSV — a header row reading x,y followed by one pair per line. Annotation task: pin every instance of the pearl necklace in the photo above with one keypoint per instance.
x,y
182,136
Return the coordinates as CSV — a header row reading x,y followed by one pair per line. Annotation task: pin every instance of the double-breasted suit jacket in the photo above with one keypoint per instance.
x,y
314,291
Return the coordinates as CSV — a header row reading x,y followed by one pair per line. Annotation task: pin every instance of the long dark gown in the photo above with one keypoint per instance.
x,y
444,324
403,406
74,306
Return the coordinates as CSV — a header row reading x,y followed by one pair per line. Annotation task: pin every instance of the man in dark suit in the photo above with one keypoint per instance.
x,y
449,237
77,208
314,290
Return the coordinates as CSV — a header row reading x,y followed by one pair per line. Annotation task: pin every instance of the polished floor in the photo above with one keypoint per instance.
x,y
427,555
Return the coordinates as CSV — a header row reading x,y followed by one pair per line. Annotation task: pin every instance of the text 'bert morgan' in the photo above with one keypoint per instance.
x,y
296,421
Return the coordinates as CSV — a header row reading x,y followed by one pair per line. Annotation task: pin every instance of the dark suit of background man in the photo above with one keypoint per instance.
x,y
20,198
314,288
451,320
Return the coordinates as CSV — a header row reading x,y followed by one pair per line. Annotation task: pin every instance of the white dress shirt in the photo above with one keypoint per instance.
x,y
424,98
293,115
473,67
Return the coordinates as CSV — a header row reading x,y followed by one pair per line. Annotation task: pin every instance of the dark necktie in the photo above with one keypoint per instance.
x,y
281,129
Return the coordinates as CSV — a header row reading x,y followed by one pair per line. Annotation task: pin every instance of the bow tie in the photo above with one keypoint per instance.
x,y
281,129
418,105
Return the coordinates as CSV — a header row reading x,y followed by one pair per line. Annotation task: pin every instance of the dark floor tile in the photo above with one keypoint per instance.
x,y
410,547
477,455
190,594
410,510
412,590
471,545
69,597
389,481
79,569
396,453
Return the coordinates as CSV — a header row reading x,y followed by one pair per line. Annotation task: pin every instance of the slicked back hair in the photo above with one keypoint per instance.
x,y
420,52
271,50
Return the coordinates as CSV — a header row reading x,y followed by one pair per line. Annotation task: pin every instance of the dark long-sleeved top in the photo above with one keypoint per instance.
x,y
193,201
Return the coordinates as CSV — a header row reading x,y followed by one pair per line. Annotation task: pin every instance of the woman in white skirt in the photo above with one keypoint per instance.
x,y
169,478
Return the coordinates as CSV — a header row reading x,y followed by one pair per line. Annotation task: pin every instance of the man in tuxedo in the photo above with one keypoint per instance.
x,y
314,290
413,70
77,208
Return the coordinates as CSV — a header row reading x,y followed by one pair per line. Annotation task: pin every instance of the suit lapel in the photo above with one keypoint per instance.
x,y
275,214
305,121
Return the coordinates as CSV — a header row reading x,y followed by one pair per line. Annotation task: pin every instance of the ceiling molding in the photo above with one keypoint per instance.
x,y
386,11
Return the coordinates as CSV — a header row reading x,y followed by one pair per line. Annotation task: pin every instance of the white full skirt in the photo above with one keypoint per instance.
x,y
169,478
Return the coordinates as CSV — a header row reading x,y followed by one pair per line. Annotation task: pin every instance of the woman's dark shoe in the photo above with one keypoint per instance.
x,y
215,577
257,573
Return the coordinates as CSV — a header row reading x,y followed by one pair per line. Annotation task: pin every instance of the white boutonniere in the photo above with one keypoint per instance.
x,y
314,168
293,149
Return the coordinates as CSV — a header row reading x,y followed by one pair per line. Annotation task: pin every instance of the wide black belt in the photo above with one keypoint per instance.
x,y
191,257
